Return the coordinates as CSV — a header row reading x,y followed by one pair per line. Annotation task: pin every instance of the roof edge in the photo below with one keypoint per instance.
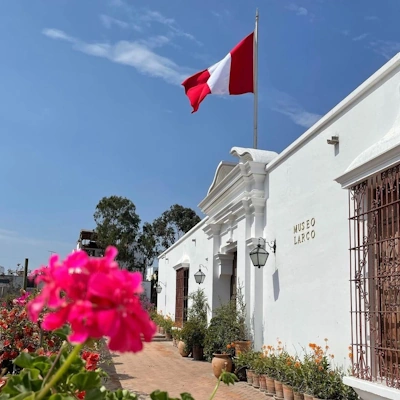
x,y
379,75
194,229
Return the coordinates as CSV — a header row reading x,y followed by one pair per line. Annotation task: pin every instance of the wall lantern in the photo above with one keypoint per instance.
x,y
158,286
199,276
259,255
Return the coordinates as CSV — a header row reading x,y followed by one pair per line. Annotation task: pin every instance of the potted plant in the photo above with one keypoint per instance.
x,y
167,325
194,330
242,365
222,330
243,342
193,334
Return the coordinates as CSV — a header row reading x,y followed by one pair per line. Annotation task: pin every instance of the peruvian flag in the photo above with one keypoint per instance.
x,y
232,75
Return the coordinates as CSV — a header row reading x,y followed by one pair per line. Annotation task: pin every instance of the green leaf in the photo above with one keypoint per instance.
x,y
95,394
63,332
86,380
187,396
59,396
24,360
229,378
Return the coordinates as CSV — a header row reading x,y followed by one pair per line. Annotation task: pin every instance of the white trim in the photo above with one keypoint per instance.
x,y
372,81
194,229
224,264
181,265
371,167
371,391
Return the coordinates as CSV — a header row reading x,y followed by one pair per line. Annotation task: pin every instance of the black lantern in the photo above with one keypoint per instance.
x,y
259,255
158,287
199,276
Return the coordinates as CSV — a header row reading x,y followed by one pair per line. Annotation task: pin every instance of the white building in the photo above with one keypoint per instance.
x,y
335,188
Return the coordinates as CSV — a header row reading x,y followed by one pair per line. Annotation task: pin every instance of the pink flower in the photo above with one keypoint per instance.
x,y
96,298
21,301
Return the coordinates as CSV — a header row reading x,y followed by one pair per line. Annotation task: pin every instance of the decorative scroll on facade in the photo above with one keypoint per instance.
x,y
375,277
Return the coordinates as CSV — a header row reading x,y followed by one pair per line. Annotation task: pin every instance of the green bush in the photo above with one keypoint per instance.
x,y
224,329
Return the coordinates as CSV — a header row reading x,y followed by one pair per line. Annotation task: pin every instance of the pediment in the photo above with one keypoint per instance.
x,y
223,170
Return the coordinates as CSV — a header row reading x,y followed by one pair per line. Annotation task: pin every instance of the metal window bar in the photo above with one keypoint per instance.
x,y
374,229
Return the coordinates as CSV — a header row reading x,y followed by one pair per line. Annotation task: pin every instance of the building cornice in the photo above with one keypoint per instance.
x,y
371,167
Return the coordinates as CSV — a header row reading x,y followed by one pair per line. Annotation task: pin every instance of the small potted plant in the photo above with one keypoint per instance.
x,y
193,334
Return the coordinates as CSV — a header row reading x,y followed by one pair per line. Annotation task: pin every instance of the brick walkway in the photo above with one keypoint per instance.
x,y
160,366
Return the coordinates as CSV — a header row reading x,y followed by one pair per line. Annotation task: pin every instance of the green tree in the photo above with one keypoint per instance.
x,y
146,245
173,224
117,224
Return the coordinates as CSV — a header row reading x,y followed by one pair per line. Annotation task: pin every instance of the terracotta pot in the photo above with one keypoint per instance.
x,y
298,396
263,384
287,392
249,376
242,346
182,350
256,380
220,362
308,397
279,389
197,353
162,331
270,385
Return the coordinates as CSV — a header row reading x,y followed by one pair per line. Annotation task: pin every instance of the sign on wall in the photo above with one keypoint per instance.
x,y
304,231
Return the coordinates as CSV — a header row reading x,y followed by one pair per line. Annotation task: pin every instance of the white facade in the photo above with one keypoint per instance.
x,y
300,199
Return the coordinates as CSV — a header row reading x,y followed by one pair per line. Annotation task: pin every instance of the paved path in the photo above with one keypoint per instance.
x,y
159,366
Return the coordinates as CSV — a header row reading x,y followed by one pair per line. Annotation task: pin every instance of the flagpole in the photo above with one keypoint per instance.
x,y
255,82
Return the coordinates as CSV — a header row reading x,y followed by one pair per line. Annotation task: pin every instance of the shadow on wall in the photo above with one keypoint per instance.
x,y
275,282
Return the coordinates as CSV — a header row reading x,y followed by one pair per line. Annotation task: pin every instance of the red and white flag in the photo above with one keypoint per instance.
x,y
232,75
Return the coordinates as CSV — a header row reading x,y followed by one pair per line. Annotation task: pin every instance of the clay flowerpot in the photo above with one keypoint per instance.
x,y
287,392
298,396
220,362
308,397
242,346
197,353
263,384
182,349
256,380
278,389
249,376
270,385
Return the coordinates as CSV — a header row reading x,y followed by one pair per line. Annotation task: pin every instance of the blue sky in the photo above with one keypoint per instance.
x,y
91,102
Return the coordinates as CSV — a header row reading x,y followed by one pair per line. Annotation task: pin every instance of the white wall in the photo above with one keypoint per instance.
x,y
196,247
306,296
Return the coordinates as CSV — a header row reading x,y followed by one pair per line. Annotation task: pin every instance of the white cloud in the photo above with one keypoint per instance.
x,y
156,41
221,14
57,34
155,16
108,22
285,104
385,48
137,54
360,37
139,19
301,11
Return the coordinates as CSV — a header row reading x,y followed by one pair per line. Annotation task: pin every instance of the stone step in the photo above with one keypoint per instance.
x,y
159,337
